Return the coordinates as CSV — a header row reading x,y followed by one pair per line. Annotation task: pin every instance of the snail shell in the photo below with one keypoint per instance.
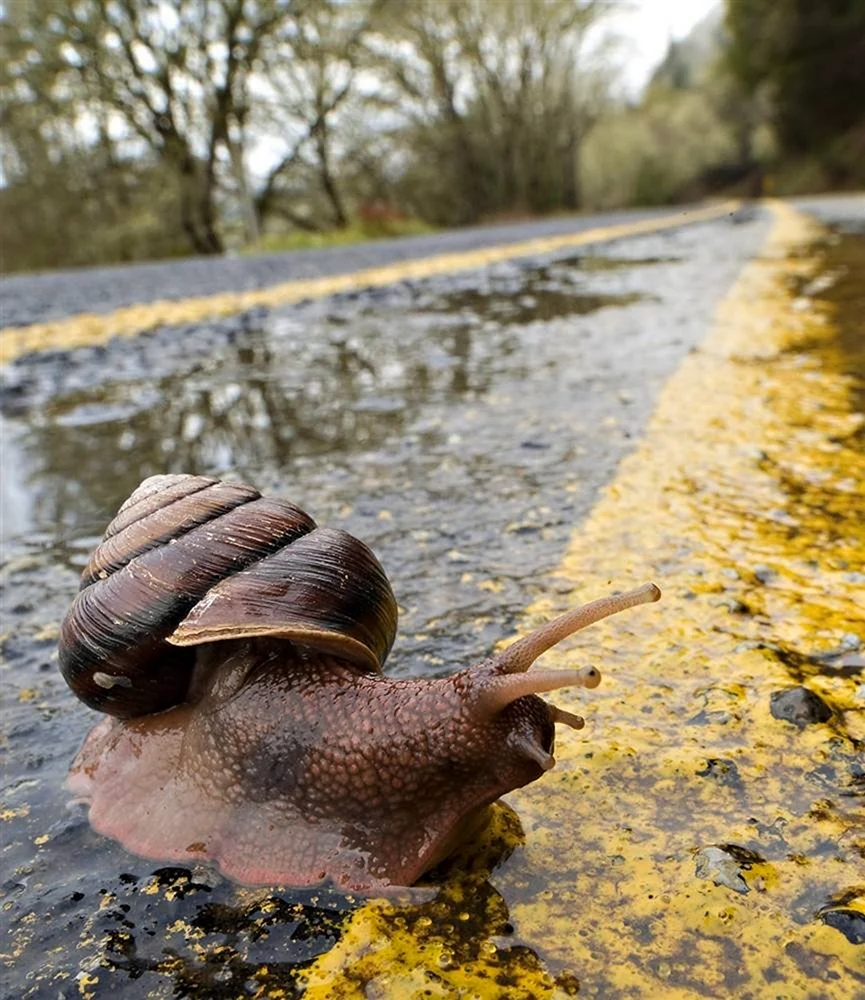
x,y
191,560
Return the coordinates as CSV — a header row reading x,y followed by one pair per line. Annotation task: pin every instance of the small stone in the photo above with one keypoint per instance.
x,y
799,706
48,633
705,718
850,922
722,770
720,867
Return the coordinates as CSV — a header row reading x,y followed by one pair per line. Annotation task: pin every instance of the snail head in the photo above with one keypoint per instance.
x,y
502,690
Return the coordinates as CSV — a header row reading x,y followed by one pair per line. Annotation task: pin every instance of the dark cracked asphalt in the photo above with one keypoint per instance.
x,y
400,413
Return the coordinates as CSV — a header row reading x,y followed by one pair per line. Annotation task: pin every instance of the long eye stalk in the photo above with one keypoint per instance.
x,y
519,656
509,679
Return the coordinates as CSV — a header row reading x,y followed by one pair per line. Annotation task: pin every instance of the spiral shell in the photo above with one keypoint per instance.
x,y
189,560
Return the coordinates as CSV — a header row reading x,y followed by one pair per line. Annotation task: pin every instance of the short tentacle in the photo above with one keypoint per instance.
x,y
506,677
499,691
565,717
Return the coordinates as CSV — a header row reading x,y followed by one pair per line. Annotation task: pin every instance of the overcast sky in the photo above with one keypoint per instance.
x,y
647,27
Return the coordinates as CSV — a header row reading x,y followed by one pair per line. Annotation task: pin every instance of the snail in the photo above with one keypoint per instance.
x,y
237,651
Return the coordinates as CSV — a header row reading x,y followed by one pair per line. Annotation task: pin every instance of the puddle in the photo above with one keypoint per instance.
x,y
539,303
271,393
260,403
598,262
516,296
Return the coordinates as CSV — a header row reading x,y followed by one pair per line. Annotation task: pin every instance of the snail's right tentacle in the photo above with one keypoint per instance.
x,y
520,655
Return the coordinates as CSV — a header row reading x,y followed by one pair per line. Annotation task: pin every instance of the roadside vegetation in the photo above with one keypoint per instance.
x,y
133,129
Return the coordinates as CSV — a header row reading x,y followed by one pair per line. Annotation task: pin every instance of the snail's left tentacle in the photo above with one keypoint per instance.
x,y
565,717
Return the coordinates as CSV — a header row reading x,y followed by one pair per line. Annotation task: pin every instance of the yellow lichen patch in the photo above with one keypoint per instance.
x,y
85,983
383,956
691,842
686,754
96,328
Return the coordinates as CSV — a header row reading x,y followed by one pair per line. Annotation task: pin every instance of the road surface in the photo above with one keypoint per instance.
x,y
512,430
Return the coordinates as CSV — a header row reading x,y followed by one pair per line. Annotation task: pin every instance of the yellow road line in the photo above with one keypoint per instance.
x,y
740,502
86,329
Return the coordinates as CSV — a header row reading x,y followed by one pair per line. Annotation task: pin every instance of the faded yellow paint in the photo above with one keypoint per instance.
x,y
17,813
87,329
744,503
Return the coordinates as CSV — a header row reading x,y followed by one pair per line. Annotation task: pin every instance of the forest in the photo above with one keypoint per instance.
x,y
140,129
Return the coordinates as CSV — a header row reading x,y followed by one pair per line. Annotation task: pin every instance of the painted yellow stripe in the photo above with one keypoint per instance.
x,y
741,503
86,329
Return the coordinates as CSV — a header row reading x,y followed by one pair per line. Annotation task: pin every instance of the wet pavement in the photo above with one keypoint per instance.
x,y
35,298
463,426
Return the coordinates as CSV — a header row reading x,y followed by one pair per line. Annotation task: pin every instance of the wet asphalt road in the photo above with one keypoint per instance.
x,y
34,298
462,426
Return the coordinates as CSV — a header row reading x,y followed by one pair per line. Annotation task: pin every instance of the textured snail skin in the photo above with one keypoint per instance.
x,y
237,648
366,780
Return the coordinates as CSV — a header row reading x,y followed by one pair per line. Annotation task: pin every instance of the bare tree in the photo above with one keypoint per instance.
x,y
171,77
308,93
495,98
299,109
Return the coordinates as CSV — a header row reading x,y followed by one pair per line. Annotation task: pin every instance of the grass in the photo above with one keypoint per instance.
x,y
357,232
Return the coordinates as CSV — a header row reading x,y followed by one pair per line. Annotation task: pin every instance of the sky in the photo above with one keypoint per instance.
x,y
647,26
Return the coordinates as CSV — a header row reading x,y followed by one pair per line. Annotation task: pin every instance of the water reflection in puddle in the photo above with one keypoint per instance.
x,y
266,396
255,404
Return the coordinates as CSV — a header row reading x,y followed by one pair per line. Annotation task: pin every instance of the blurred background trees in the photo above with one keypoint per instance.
x,y
806,61
148,128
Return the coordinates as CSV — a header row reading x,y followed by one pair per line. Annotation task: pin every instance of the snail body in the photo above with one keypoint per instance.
x,y
237,649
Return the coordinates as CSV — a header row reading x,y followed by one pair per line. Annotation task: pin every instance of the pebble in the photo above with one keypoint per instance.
x,y
799,706
850,922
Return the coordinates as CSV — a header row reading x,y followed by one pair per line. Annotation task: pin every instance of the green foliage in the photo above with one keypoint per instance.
x,y
809,57
357,232
647,155
76,212
494,102
131,128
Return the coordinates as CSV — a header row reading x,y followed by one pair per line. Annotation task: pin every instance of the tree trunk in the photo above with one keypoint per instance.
x,y
196,209
328,182
247,204
571,176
